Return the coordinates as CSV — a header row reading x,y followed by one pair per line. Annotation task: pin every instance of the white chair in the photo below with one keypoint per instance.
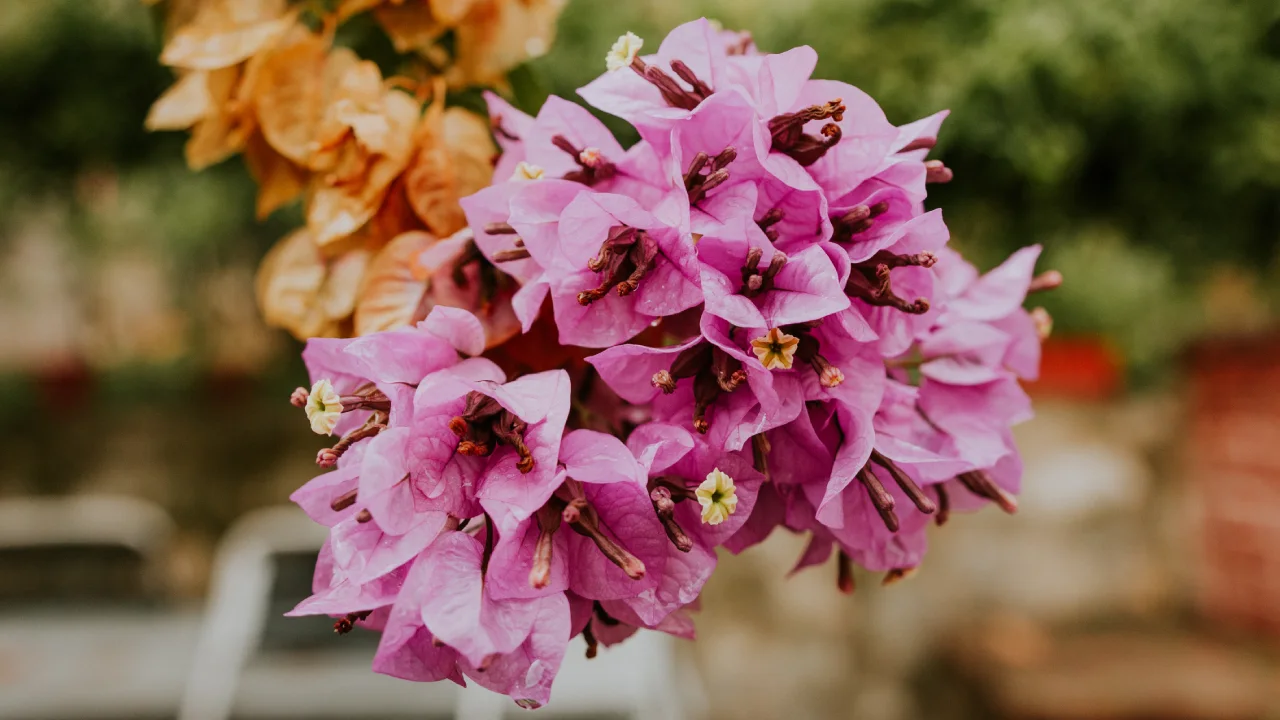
x,y
640,679
89,659
230,678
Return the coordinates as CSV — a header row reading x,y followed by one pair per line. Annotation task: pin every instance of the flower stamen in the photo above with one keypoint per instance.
x,y
871,284
328,457
485,424
713,371
789,137
766,223
583,519
857,219
756,281
626,257
343,501
980,483
1047,280
548,520
880,497
698,183
665,506
844,573
593,167
936,172
675,95
908,486
944,505
345,624
897,575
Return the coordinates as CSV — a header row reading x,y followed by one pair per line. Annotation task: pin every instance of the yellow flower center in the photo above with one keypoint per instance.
x,y
623,52
527,171
324,407
717,497
776,349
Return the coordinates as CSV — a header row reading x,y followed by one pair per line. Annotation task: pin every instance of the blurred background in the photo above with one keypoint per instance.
x,y
144,415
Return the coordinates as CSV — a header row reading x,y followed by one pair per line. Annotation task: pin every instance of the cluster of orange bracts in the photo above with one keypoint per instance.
x,y
379,162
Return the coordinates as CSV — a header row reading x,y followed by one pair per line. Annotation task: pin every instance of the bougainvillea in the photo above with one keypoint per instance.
x,y
631,358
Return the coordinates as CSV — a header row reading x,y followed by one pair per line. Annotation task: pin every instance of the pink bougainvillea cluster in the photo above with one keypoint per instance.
x,y
747,320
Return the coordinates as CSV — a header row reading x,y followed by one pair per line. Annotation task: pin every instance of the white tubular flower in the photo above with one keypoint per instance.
x,y
623,51
324,407
776,350
717,497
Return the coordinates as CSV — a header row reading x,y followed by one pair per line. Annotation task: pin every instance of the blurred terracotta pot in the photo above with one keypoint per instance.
x,y
1234,417
1082,367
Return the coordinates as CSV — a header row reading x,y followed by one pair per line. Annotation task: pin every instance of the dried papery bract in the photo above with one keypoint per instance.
x,y
365,148
279,180
494,36
185,103
223,33
393,288
301,290
262,77
226,126
453,160
292,91
288,286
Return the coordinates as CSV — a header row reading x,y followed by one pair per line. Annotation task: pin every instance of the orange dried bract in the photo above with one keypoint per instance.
x,y
380,182
302,291
227,32
395,217
342,201
345,9
290,95
497,35
452,12
288,286
412,26
226,128
394,284
279,180
185,103
337,299
454,160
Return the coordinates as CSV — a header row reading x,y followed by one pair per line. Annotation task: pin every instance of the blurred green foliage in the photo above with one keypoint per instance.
x,y
1138,141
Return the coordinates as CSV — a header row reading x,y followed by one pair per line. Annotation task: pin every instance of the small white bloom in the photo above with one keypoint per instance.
x,y
717,497
527,171
324,407
589,157
623,51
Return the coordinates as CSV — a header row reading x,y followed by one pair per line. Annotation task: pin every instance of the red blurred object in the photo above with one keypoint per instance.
x,y
65,386
1235,472
1080,367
